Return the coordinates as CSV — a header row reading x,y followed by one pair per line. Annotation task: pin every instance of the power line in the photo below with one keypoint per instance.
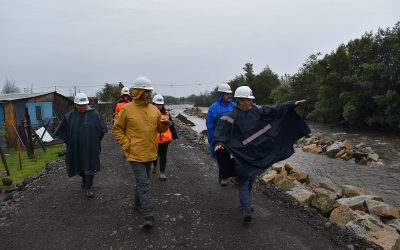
x,y
131,83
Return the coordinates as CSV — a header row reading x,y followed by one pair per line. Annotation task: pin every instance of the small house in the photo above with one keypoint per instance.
x,y
43,108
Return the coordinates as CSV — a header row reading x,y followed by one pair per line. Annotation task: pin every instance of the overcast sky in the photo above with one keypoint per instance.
x,y
197,44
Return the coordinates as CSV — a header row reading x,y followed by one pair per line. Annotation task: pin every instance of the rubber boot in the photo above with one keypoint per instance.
x,y
88,186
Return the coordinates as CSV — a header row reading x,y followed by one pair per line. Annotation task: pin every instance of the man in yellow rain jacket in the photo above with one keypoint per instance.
x,y
136,131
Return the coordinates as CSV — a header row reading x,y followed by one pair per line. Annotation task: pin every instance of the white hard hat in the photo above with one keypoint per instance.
x,y
158,99
224,88
244,92
142,82
81,99
125,91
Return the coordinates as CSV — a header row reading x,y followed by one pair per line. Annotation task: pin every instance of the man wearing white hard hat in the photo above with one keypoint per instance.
x,y
124,98
223,105
163,139
136,131
257,137
82,129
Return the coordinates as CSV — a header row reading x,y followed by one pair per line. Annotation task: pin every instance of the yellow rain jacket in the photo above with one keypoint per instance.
x,y
136,129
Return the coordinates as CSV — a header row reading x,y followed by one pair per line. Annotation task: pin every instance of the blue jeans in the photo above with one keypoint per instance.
x,y
245,187
141,170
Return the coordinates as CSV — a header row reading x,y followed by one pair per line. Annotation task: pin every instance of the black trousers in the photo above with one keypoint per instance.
x,y
226,164
162,156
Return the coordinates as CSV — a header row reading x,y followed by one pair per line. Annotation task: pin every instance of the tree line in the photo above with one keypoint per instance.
x,y
356,85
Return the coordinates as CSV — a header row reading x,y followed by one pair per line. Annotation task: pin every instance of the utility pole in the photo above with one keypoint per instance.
x,y
75,90
55,88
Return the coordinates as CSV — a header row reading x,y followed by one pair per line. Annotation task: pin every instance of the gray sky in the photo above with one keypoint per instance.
x,y
182,42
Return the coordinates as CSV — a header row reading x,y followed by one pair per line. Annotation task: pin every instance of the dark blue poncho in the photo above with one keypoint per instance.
x,y
82,133
260,137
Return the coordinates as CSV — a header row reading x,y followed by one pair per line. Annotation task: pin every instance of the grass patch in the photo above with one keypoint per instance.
x,y
30,167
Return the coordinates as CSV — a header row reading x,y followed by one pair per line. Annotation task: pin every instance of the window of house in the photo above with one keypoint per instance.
x,y
38,113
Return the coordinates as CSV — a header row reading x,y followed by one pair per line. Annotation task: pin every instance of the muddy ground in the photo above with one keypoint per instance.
x,y
191,211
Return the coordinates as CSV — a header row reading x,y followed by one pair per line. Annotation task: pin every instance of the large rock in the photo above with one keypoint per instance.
x,y
301,194
342,215
395,223
333,149
289,167
288,183
367,223
300,176
185,120
382,209
388,240
312,148
278,167
351,191
347,145
356,202
270,176
323,200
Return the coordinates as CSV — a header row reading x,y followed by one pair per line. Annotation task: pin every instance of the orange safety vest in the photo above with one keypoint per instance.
x,y
118,108
167,135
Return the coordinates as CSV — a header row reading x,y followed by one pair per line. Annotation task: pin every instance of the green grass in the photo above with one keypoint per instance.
x,y
30,167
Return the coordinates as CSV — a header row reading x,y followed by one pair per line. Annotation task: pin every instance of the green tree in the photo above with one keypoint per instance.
x,y
110,92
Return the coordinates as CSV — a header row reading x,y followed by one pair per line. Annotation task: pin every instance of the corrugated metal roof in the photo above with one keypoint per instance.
x,y
18,96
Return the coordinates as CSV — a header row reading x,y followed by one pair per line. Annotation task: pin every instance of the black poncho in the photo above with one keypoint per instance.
x,y
82,133
260,137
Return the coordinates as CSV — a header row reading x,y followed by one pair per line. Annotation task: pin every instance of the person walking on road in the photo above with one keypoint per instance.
x,y
256,138
124,98
136,131
223,105
163,138
82,130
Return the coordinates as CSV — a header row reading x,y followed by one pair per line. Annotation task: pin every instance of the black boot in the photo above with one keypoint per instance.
x,y
88,186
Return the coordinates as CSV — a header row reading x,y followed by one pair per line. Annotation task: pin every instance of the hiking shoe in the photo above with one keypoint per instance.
x,y
234,180
89,194
163,177
148,222
247,214
224,182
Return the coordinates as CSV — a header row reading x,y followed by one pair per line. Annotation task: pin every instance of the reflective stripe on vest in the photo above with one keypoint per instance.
x,y
257,134
167,135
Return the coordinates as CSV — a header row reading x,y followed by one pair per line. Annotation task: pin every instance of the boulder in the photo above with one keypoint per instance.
x,y
289,166
301,194
342,215
382,209
312,148
323,200
385,239
356,202
185,120
287,183
347,156
277,167
333,149
351,191
340,153
270,176
395,223
347,145
367,223
300,176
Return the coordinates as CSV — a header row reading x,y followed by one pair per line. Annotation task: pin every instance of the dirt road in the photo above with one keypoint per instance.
x,y
191,210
